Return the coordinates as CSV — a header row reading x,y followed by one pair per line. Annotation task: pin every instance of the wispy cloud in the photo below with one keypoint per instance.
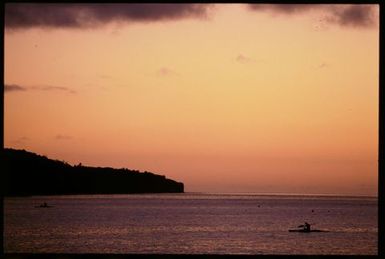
x,y
323,65
21,140
344,15
103,76
165,71
62,137
55,88
244,59
13,88
80,15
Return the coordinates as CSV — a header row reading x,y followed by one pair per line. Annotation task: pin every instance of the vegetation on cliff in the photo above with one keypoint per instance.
x,y
26,173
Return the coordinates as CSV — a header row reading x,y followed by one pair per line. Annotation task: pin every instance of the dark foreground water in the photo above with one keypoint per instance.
x,y
190,224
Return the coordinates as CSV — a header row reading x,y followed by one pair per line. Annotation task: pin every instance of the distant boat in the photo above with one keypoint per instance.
x,y
44,205
305,228
307,231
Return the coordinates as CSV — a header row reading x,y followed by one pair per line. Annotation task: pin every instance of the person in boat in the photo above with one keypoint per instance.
x,y
306,227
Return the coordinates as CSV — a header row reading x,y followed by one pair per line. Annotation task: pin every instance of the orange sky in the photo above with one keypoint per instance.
x,y
236,99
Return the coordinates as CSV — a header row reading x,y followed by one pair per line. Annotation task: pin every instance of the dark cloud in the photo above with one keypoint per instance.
x,y
354,15
344,15
282,8
26,15
13,88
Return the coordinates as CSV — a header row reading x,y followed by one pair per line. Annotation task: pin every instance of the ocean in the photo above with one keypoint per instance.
x,y
191,223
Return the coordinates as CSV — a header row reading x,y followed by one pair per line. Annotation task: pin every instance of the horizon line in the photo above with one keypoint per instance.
x,y
285,194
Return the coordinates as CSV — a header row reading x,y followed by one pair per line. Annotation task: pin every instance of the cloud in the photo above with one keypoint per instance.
x,y
282,8
323,65
21,140
13,88
354,15
62,137
343,15
27,15
104,76
55,88
244,60
164,71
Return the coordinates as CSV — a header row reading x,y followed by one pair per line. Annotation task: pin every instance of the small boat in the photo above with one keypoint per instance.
x,y
44,205
305,228
307,231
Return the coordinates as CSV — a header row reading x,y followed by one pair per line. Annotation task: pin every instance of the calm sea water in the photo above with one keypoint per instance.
x,y
190,224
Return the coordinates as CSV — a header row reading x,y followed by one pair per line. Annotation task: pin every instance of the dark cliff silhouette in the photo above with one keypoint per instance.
x,y
26,173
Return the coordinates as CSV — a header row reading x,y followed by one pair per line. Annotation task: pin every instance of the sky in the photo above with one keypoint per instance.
x,y
223,97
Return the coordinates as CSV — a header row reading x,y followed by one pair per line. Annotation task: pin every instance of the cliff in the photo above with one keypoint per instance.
x,y
26,173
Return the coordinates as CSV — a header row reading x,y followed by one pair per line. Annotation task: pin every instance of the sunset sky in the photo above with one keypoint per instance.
x,y
224,97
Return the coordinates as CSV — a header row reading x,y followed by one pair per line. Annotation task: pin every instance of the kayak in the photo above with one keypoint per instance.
x,y
307,231
42,206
